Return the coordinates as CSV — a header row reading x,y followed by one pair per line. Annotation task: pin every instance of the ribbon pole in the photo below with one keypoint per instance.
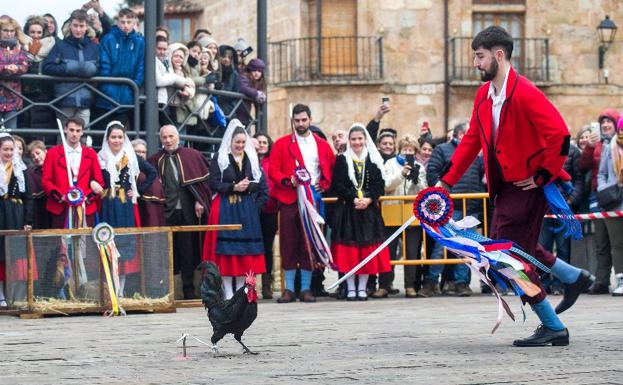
x,y
374,253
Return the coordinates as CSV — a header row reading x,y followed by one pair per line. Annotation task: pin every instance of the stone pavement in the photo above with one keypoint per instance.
x,y
423,341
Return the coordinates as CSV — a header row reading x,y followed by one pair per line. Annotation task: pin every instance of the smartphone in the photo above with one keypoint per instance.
x,y
247,51
410,159
386,100
595,128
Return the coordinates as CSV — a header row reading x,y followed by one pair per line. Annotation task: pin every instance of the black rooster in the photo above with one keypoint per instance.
x,y
228,316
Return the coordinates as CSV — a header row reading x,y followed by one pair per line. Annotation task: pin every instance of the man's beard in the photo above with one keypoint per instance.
x,y
301,130
485,75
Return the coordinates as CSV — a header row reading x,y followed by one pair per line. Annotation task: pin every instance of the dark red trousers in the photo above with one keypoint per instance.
x,y
517,217
292,242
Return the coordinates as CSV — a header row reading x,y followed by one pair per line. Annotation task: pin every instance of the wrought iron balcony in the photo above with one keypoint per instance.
x,y
326,60
530,58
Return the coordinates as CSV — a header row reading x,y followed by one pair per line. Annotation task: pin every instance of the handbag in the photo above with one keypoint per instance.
x,y
610,197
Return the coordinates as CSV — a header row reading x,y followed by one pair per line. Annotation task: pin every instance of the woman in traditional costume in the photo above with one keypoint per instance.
x,y
236,178
358,228
120,169
15,214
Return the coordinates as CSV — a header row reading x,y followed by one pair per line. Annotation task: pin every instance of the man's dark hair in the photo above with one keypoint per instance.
x,y
75,120
201,30
160,39
80,15
301,108
192,44
163,29
494,36
127,12
461,127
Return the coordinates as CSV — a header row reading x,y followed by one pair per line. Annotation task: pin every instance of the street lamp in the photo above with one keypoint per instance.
x,y
606,29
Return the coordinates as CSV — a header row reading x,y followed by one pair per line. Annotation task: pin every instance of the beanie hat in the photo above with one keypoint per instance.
x,y
241,44
620,125
256,65
206,41
609,113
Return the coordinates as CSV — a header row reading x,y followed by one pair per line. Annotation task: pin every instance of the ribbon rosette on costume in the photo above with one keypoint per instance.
x,y
433,206
104,238
302,175
75,196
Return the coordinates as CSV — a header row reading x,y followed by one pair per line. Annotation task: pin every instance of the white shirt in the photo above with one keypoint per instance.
x,y
498,101
309,149
74,156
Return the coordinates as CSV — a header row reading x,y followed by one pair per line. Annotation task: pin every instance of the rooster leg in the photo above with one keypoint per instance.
x,y
214,349
246,350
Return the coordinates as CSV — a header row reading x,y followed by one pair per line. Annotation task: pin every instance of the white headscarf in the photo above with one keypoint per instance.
x,y
225,149
18,170
369,149
109,161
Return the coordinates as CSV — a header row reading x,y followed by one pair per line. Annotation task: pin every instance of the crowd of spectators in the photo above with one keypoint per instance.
x,y
172,187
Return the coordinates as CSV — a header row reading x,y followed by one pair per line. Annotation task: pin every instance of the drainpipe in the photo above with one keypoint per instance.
x,y
446,68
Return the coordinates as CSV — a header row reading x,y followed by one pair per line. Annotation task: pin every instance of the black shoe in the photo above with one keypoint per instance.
x,y
573,291
544,336
598,288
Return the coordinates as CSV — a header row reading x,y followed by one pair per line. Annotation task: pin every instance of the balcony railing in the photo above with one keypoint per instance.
x,y
530,58
348,59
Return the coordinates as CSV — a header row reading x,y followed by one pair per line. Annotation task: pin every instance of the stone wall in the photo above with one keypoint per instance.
x,y
414,59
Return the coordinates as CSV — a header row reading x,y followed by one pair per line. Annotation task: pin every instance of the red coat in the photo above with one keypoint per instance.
x,y
532,138
55,182
282,165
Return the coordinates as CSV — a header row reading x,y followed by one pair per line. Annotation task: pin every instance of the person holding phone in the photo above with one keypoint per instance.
x,y
405,176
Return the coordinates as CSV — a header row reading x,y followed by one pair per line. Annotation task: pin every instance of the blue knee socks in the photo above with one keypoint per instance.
x,y
290,274
565,272
306,276
547,315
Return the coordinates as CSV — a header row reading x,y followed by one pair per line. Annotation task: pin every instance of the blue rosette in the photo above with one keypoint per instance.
x,y
433,206
103,233
75,196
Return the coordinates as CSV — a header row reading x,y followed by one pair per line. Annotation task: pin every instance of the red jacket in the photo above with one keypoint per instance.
x,y
282,165
55,182
532,138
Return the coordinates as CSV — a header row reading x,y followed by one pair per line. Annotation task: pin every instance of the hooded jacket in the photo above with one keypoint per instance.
x,y
76,58
122,56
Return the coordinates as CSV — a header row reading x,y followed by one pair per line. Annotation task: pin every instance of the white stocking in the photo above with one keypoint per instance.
x,y
227,287
121,285
239,282
363,282
350,283
2,298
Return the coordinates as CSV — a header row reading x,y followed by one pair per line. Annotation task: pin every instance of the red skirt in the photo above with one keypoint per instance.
x,y
19,271
346,257
229,265
132,265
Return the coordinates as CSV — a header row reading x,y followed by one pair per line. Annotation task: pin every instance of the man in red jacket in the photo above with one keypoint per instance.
x,y
302,148
525,143
84,171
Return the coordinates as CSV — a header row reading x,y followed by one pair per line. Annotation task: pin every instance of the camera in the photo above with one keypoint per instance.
x,y
385,100
414,174
246,52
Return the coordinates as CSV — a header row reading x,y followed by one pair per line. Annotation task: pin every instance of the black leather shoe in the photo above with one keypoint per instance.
x,y
573,291
544,336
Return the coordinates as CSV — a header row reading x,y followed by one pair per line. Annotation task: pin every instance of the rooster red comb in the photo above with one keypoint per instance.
x,y
250,278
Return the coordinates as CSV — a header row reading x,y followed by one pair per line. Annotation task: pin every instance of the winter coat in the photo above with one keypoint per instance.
x,y
245,86
76,58
607,177
121,56
572,167
591,157
165,79
11,52
397,185
230,83
470,182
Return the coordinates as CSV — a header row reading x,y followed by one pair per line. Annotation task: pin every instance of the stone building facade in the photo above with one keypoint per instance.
x,y
557,48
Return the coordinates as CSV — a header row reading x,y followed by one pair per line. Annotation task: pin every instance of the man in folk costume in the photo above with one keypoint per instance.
x,y
68,166
301,150
184,174
525,143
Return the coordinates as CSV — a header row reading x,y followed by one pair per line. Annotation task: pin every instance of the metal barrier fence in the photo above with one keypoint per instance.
x,y
136,129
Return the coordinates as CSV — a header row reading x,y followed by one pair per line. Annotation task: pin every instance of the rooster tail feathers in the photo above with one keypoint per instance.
x,y
212,285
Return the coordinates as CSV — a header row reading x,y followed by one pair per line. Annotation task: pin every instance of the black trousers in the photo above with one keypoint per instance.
x,y
185,252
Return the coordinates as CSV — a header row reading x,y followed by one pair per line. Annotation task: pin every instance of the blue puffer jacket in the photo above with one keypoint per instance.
x,y
121,56
77,58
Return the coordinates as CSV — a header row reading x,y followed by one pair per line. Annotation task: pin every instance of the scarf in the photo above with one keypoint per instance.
x,y
616,149
369,149
114,163
14,168
249,150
